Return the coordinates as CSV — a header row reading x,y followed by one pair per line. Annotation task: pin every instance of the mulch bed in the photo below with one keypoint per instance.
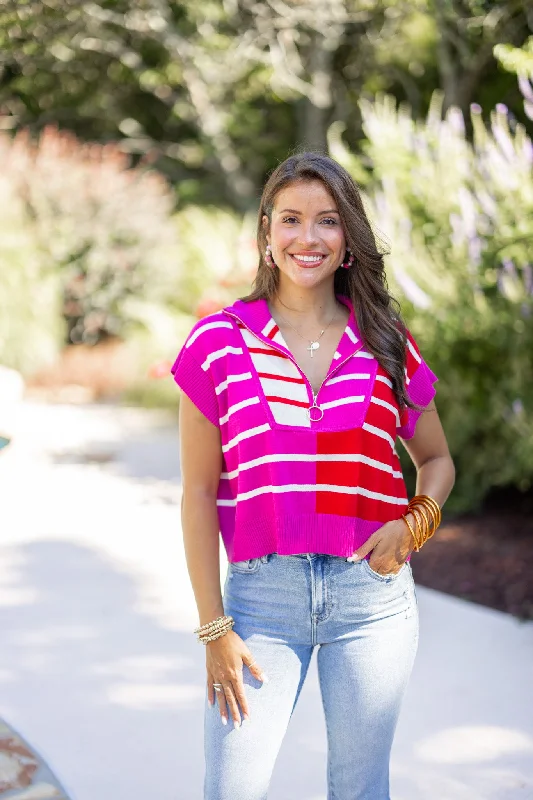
x,y
487,558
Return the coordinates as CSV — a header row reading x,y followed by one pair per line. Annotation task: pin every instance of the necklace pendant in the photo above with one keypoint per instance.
x,y
313,346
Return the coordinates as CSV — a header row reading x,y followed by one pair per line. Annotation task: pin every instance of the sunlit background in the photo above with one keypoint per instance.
x,y
134,142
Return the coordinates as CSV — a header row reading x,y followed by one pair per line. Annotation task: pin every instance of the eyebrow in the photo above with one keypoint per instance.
x,y
294,211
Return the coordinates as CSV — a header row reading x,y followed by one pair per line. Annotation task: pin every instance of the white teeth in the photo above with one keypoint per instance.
x,y
309,258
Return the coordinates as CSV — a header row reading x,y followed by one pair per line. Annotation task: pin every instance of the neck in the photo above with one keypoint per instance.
x,y
317,304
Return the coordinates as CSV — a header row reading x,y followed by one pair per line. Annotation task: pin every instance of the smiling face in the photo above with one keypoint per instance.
x,y
306,235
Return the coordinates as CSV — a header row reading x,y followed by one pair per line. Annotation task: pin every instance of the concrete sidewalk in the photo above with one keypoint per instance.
x,y
99,669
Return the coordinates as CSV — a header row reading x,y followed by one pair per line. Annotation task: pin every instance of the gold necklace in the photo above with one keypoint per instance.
x,y
314,344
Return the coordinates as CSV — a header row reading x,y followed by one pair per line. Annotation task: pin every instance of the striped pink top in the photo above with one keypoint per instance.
x,y
302,473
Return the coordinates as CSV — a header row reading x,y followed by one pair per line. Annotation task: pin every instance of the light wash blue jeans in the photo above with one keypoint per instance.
x,y
366,628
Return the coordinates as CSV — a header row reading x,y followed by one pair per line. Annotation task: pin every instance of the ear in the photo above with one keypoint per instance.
x,y
266,227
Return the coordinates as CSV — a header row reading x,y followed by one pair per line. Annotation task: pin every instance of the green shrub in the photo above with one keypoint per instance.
x,y
106,228
459,217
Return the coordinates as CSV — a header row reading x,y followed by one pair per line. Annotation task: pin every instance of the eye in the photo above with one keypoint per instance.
x,y
289,219
330,220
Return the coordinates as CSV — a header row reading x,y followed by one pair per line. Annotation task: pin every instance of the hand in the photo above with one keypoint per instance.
x,y
225,657
390,546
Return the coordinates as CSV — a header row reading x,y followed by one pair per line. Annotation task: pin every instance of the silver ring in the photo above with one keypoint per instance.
x,y
217,687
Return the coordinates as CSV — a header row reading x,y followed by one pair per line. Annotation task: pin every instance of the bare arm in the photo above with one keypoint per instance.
x,y
428,449
429,453
201,464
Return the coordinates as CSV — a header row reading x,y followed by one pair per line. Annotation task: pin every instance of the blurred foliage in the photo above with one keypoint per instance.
x,y
520,61
460,219
31,332
103,230
216,93
421,105
516,59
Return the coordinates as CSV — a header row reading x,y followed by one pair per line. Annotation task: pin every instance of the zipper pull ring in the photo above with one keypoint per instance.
x,y
310,410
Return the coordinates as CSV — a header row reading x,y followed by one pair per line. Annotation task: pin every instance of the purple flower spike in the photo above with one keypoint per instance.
x,y
525,87
475,108
501,108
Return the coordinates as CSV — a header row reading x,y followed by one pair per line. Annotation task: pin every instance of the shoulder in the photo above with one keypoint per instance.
x,y
209,334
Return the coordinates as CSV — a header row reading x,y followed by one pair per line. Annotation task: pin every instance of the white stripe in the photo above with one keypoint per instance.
x,y
286,414
251,401
362,354
379,432
413,352
319,487
355,376
287,389
383,379
407,378
336,355
279,339
383,403
271,324
208,327
344,401
243,376
220,354
264,362
351,335
352,458
245,435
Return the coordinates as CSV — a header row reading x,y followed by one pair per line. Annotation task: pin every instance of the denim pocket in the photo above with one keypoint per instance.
x,y
247,567
391,576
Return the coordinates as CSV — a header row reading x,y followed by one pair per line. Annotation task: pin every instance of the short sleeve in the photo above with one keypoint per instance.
x,y
420,380
191,373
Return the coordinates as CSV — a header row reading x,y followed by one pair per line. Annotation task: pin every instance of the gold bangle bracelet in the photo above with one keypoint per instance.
x,y
417,548
431,503
420,525
427,514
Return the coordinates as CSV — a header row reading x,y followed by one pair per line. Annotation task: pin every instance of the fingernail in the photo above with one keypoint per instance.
x,y
355,557
245,717
236,724
224,720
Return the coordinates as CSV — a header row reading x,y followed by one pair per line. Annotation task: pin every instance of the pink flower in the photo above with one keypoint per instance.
x,y
160,369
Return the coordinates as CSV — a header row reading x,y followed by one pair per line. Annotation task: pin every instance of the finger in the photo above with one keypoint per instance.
x,y
240,696
222,705
365,548
232,705
210,690
254,667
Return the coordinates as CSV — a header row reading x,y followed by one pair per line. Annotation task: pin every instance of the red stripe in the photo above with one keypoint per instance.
x,y
273,332
381,418
280,377
267,351
357,506
287,401
350,473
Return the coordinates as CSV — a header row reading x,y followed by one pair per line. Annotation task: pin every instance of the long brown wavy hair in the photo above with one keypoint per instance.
x,y
377,312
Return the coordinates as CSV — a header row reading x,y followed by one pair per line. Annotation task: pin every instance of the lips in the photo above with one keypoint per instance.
x,y
308,260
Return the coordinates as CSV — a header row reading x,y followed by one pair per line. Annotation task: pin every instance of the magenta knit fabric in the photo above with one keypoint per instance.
x,y
294,481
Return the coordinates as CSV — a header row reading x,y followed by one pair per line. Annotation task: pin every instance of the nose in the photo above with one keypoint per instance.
x,y
308,234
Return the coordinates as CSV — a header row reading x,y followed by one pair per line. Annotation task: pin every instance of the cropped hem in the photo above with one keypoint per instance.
x,y
288,534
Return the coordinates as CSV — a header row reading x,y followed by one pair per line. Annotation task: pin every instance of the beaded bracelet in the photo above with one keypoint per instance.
x,y
215,629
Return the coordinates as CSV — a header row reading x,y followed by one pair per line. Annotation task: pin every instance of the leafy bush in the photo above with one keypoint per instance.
x,y
30,321
460,219
104,226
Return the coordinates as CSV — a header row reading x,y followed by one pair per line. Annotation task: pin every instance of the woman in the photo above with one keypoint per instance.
x,y
292,401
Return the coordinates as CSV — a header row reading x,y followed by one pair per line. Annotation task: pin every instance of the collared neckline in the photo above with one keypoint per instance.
x,y
256,316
